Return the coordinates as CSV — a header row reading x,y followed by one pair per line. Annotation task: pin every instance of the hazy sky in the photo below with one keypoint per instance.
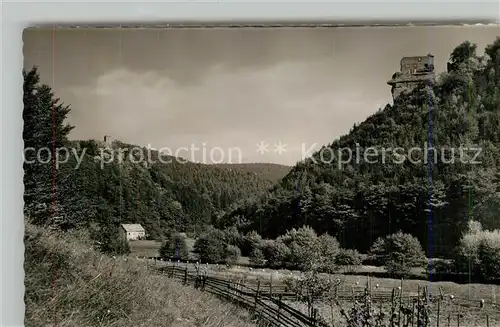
x,y
231,88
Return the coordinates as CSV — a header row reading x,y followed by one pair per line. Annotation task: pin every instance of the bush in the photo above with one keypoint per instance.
x,y
489,255
233,237
96,290
399,252
329,248
211,246
348,258
304,251
109,240
257,257
251,241
175,247
467,256
233,254
91,147
478,252
439,266
275,252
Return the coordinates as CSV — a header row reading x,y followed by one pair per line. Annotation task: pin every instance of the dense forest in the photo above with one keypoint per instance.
x,y
433,200
356,202
93,187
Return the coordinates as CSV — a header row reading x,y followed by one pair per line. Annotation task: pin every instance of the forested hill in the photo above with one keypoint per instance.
x,y
89,186
174,194
359,201
267,171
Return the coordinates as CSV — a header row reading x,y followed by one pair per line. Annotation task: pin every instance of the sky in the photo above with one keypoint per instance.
x,y
213,94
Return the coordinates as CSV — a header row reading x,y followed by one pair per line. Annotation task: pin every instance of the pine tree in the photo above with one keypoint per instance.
x,y
44,131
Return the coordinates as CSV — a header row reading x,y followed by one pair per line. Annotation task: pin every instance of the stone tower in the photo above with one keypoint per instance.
x,y
107,140
413,71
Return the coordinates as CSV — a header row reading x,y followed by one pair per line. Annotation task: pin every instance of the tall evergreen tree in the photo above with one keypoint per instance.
x,y
44,131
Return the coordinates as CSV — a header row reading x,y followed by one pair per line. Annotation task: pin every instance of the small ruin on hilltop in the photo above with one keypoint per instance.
x,y
413,71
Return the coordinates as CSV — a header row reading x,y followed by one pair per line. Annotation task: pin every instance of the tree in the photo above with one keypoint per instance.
x,y
174,247
232,254
44,131
462,53
399,252
251,242
257,257
348,258
304,248
329,248
309,288
211,246
276,253
109,240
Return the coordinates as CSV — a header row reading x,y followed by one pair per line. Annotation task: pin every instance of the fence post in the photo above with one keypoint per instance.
x,y
438,311
413,313
392,307
271,286
185,275
279,307
400,299
257,294
418,306
458,319
487,321
449,319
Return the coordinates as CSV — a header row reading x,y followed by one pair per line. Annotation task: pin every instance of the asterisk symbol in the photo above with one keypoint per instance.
x,y
280,147
262,147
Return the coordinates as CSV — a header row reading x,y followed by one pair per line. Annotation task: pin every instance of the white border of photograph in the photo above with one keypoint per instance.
x,y
20,14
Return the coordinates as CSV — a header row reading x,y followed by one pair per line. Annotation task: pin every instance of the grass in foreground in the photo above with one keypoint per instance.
x,y
68,283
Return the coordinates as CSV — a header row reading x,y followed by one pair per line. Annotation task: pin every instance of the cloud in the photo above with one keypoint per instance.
x,y
296,103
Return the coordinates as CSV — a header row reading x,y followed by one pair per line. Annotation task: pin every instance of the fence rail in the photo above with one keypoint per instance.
x,y
267,300
268,310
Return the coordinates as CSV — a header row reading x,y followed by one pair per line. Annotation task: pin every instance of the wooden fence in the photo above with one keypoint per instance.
x,y
268,310
267,299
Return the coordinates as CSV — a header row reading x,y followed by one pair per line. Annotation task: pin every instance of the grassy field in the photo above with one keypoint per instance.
x,y
465,302
150,248
67,283
466,297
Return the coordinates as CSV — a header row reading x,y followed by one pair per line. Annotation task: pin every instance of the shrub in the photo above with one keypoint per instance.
x,y
257,257
310,288
211,246
467,256
440,267
349,258
489,255
233,237
96,290
91,147
251,241
478,252
275,252
175,247
399,252
304,251
329,248
109,240
233,254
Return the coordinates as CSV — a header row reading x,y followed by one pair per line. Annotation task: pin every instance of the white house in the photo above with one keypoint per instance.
x,y
133,231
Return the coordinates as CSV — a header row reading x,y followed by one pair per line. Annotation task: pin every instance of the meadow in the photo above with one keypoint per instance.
x,y
69,283
466,305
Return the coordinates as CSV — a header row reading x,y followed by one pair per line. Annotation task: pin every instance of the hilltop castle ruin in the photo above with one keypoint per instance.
x,y
413,71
